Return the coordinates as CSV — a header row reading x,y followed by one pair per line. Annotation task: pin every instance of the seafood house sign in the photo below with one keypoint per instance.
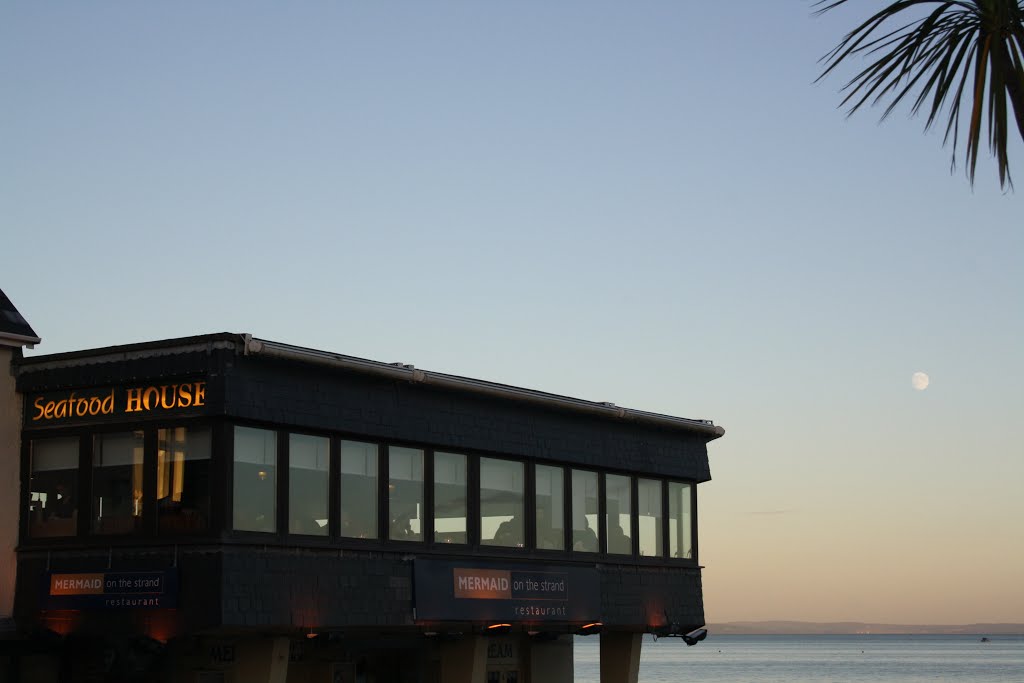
x,y
93,404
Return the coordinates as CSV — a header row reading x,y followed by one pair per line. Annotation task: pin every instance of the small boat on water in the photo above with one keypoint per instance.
x,y
985,639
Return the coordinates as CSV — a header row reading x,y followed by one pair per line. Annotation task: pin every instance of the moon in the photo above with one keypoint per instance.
x,y
919,381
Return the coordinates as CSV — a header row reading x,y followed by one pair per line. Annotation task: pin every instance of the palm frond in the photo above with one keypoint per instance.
x,y
935,49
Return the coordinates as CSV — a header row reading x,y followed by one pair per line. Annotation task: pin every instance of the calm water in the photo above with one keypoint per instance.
x,y
801,659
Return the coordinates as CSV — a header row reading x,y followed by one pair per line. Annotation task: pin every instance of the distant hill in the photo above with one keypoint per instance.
x,y
855,627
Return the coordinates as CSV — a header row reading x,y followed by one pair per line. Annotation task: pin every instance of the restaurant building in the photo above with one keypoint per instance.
x,y
229,509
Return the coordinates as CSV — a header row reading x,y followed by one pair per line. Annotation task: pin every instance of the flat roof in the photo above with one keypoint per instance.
x,y
247,345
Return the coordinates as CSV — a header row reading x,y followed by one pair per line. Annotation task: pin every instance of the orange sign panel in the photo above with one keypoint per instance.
x,y
482,584
76,584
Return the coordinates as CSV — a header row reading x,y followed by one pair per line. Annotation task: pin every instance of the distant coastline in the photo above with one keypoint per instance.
x,y
856,627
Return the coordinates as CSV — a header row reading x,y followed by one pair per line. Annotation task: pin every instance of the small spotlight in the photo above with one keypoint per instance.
x,y
694,637
590,629
542,636
311,635
498,629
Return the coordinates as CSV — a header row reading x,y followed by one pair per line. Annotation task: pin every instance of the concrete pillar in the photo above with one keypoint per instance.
x,y
620,657
550,661
10,480
464,660
40,668
262,660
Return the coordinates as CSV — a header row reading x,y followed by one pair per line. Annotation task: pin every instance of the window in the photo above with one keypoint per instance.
x,y
183,480
53,497
449,498
255,480
584,512
117,483
358,489
618,503
680,520
405,493
649,503
309,483
501,503
550,508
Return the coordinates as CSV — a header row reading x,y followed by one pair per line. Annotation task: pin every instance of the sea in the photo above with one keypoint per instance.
x,y
819,658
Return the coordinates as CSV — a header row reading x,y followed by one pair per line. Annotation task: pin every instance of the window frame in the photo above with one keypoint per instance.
x,y
524,501
287,442
433,497
149,532
222,490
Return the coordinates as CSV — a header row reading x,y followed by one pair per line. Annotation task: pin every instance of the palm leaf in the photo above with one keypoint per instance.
x,y
935,49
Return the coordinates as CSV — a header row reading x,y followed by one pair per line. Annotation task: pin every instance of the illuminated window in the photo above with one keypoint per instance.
x,y
358,489
550,508
117,483
501,503
584,512
183,480
53,498
405,493
680,520
255,480
651,525
449,498
309,459
618,502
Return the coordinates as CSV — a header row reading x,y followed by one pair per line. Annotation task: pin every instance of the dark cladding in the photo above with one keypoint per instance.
x,y
109,590
289,490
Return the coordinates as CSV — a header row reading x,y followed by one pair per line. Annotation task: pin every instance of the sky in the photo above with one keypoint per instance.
x,y
651,203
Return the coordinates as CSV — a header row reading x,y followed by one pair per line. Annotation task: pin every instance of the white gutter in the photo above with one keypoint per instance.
x,y
11,339
409,373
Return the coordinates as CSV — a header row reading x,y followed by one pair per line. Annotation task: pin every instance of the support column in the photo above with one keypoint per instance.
x,y
620,657
464,660
550,661
39,668
10,480
262,660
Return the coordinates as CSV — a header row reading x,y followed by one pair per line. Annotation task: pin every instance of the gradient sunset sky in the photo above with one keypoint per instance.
x,y
650,203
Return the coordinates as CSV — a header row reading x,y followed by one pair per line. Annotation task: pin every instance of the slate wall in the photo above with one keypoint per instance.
x,y
312,397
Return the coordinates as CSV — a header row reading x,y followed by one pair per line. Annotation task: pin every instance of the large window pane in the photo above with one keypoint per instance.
x,y
584,511
680,520
405,493
649,503
618,508
183,480
550,508
501,503
449,498
53,499
358,489
309,483
255,480
117,483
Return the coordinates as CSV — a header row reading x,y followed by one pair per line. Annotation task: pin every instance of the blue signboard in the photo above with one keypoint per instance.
x,y
111,590
507,592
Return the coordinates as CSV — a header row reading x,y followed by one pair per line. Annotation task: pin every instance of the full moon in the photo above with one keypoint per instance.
x,y
919,381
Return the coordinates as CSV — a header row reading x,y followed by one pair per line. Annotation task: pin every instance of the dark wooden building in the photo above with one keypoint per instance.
x,y
224,508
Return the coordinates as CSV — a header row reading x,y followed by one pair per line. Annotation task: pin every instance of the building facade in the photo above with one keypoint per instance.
x,y
224,508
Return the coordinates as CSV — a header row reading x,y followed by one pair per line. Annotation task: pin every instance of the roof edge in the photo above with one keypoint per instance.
x,y
122,351
11,339
262,347
246,344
